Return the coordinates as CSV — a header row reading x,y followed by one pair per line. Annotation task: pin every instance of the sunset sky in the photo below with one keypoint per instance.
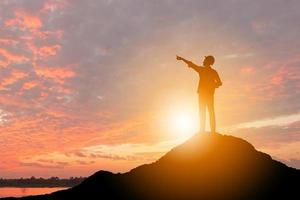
x,y
94,84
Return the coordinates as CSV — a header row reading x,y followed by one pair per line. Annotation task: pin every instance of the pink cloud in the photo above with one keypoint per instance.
x,y
46,34
50,6
247,70
44,51
6,41
58,74
284,74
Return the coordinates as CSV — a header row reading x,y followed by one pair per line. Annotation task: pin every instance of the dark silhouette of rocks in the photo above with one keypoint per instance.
x,y
207,166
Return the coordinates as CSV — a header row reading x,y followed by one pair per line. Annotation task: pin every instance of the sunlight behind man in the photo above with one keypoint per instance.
x,y
184,124
178,117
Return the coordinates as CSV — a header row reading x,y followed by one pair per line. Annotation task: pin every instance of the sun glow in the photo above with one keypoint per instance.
x,y
184,124
178,116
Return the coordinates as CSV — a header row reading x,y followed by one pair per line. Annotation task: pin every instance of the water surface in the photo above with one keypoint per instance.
x,y
19,192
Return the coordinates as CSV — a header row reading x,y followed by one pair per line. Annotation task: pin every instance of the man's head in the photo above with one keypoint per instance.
x,y
208,61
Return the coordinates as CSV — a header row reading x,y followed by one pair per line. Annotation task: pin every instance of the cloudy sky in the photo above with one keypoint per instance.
x,y
94,84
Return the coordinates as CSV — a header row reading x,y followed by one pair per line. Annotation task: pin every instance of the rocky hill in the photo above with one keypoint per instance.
x,y
207,166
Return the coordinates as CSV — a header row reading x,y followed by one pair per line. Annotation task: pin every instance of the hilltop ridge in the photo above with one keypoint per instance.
x,y
207,166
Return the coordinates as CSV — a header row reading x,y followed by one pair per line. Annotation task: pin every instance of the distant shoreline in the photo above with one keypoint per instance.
x,y
41,182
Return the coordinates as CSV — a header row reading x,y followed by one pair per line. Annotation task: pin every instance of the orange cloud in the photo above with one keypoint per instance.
x,y
47,34
11,57
4,63
24,20
55,73
46,51
29,85
277,79
14,76
38,135
56,112
11,100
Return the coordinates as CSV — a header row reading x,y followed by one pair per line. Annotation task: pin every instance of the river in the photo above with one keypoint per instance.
x,y
18,192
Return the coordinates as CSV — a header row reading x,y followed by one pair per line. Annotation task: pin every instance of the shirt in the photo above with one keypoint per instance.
x,y
209,79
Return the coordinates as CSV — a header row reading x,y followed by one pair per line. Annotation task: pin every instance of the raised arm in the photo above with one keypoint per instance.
x,y
189,63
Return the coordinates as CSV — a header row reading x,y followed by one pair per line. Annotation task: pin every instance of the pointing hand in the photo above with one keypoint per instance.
x,y
178,57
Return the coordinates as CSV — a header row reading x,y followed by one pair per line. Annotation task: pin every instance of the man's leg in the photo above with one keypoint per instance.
x,y
202,112
211,110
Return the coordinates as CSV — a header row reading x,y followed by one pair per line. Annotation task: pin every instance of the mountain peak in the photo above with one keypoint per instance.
x,y
207,166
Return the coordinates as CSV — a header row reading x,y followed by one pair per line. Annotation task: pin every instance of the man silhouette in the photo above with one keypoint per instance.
x,y
209,80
